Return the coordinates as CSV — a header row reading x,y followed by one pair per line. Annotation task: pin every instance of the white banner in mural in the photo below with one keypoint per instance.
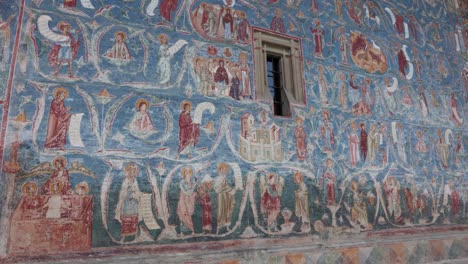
x,y
74,133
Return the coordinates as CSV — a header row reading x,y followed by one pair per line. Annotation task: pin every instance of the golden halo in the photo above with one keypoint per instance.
x,y
62,158
83,185
60,89
130,166
61,24
59,186
124,36
162,36
184,171
27,186
224,166
141,101
185,102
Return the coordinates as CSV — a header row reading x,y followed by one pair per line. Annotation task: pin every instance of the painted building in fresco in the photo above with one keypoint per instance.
x,y
139,123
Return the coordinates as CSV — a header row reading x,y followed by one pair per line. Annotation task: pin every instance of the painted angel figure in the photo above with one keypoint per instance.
x,y
165,54
119,53
271,189
64,49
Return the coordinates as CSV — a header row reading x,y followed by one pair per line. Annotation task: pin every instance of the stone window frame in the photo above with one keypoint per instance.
x,y
289,48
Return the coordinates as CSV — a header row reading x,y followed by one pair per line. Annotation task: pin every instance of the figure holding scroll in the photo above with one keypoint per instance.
x,y
59,120
188,131
127,210
164,64
64,51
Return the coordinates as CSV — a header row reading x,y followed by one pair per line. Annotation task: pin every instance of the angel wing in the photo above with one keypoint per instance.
x,y
78,168
40,169
43,26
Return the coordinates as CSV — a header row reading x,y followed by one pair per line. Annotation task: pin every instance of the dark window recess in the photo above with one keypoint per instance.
x,y
275,85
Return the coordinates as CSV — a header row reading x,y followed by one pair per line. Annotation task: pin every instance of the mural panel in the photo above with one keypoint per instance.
x,y
131,127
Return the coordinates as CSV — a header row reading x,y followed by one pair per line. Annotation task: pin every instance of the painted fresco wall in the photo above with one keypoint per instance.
x,y
137,122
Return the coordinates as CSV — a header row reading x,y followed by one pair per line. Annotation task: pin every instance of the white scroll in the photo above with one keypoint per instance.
x,y
177,46
151,7
392,88
237,175
87,4
146,212
410,65
448,135
74,133
43,26
394,133
406,30
201,107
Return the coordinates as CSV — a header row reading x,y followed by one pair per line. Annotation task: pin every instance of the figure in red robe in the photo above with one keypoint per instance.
x,y
166,7
454,113
318,33
242,31
300,135
69,3
221,75
205,202
277,23
363,142
399,22
402,62
59,120
188,131
61,175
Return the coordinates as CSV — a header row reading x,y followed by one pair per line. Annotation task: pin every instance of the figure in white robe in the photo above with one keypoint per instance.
x,y
164,63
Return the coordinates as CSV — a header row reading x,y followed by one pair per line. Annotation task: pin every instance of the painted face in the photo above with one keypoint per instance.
x,y
143,107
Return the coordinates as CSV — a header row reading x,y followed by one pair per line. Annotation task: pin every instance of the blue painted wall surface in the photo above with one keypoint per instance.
x,y
378,145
